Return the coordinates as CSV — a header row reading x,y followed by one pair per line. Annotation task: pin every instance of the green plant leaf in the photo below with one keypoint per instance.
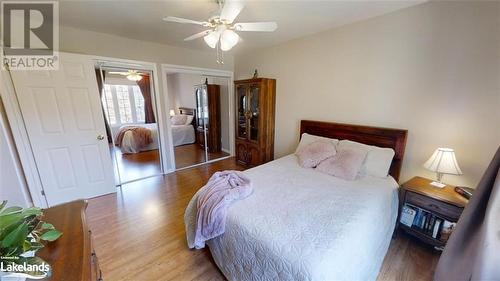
x,y
16,237
26,245
51,235
7,221
8,224
2,205
34,211
35,246
46,225
10,210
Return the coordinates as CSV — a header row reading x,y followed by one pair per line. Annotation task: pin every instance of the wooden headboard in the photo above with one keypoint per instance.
x,y
189,111
382,137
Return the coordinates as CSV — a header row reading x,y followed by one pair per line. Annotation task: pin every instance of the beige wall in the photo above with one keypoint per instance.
x,y
181,89
81,41
432,69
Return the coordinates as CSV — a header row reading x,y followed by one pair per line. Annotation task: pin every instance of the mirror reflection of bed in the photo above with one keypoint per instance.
x,y
199,118
187,150
127,99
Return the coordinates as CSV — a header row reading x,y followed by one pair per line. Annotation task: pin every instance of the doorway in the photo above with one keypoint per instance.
x,y
199,117
62,115
127,95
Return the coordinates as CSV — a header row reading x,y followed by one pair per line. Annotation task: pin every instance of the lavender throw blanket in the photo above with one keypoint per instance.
x,y
212,202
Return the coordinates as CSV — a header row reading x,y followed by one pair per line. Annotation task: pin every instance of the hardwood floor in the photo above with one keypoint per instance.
x,y
139,233
409,259
135,166
191,154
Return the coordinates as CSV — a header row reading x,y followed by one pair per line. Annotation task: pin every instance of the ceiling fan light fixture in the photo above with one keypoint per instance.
x,y
211,39
134,77
228,40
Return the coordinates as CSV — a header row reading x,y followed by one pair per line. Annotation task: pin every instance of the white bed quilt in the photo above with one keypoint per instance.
x,y
183,134
300,224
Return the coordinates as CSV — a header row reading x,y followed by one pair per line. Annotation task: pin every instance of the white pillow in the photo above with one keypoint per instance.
x,y
308,138
178,119
189,119
378,160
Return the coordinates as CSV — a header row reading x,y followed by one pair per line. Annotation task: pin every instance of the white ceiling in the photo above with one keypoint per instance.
x,y
142,20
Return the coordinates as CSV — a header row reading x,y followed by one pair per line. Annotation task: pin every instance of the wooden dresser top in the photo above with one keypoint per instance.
x,y
66,254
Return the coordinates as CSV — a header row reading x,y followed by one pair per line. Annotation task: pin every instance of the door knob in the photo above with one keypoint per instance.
x,y
100,137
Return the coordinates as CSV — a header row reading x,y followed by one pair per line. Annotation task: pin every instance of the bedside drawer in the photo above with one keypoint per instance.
x,y
447,210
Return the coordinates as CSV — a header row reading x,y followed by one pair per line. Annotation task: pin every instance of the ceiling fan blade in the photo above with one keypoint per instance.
x,y
231,10
256,26
182,20
197,35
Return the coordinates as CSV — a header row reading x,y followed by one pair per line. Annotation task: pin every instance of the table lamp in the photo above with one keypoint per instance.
x,y
442,161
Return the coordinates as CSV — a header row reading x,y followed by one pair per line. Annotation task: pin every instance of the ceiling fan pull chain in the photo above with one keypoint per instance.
x,y
217,52
220,56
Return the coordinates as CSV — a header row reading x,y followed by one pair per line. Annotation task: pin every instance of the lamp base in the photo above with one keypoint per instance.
x,y
437,184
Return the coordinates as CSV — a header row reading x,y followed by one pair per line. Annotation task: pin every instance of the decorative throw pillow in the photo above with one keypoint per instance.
x,y
189,119
312,154
378,160
346,164
308,139
178,119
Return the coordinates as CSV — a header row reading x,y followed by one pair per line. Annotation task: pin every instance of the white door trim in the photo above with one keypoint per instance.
x,y
20,135
126,63
22,142
200,71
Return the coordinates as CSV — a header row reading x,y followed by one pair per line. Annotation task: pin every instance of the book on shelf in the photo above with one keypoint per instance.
x,y
437,226
407,215
426,222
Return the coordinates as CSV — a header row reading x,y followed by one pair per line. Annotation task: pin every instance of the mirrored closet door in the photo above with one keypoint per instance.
x,y
132,132
199,118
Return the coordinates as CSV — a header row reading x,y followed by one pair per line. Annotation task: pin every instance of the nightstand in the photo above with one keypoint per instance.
x,y
434,208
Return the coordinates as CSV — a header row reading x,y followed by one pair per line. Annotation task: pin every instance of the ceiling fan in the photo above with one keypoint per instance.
x,y
221,28
132,75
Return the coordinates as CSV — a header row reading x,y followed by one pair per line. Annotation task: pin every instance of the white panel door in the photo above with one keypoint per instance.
x,y
63,116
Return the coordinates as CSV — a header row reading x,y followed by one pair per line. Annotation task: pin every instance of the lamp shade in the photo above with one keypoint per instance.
x,y
212,39
228,40
172,112
443,161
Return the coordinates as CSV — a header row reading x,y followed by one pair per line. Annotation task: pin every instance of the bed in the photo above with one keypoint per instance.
x,y
184,134
181,134
128,142
300,224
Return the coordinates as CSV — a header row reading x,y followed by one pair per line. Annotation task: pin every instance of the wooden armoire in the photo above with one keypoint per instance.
x,y
208,117
255,108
